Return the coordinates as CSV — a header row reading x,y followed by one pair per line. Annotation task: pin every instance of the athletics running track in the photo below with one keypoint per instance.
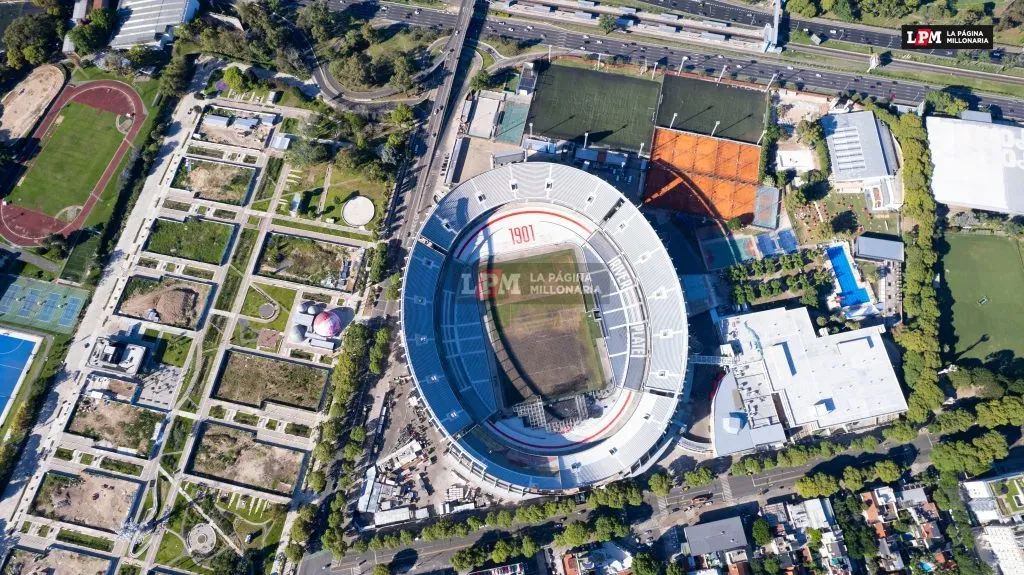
x,y
25,227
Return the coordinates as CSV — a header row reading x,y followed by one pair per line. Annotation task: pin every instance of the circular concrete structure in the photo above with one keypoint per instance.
x,y
358,211
201,539
545,328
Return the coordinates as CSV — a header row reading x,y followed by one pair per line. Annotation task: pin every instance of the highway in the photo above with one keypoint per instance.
x,y
762,67
750,16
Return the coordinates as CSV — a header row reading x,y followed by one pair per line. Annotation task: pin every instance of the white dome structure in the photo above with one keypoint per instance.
x,y
326,324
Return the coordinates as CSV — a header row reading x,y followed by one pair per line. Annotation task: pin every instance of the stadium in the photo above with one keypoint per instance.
x,y
546,330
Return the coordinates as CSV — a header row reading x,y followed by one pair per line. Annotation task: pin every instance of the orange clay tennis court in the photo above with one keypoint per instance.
x,y
702,175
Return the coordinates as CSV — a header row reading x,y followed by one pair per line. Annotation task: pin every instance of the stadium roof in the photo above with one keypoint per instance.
x,y
444,337
818,381
859,146
977,164
716,536
148,21
879,249
702,175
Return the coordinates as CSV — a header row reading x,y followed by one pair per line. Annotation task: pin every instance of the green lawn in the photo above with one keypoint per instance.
x,y
283,297
347,184
977,268
70,162
174,349
193,239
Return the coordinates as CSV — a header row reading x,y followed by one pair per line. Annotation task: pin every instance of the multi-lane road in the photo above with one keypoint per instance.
x,y
762,67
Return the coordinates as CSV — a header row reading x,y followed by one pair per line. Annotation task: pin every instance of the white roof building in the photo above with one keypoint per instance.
x,y
977,164
828,382
1003,545
997,499
151,22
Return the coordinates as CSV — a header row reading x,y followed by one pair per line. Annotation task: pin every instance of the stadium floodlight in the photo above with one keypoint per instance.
x,y
586,136
531,130
674,114
713,130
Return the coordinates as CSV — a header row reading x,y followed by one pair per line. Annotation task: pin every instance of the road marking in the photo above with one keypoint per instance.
x,y
726,489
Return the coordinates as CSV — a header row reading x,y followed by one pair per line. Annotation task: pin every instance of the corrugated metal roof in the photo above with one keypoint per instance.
x,y
717,536
859,146
879,249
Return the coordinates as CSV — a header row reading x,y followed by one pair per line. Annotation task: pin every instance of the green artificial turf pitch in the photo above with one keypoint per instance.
x,y
617,111
985,275
74,154
698,104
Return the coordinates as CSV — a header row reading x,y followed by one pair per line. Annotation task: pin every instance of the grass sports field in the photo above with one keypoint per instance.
x,y
72,159
698,104
545,330
616,110
985,269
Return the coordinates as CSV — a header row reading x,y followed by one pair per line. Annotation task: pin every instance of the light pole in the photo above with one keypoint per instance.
x,y
769,86
641,153
715,128
724,68
674,114
681,62
586,135
531,130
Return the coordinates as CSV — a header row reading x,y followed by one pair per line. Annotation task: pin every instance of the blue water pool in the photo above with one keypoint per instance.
x,y
850,293
14,357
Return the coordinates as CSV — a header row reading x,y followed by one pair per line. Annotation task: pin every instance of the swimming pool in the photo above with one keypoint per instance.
x,y
15,356
850,293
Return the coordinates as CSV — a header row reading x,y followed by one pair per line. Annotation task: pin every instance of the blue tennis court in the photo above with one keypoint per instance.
x,y
788,242
40,305
15,356
7,300
49,306
71,308
766,244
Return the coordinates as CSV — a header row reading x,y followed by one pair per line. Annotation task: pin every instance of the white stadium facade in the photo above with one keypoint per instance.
x,y
600,434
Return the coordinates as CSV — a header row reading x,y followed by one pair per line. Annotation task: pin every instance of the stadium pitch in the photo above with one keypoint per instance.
x,y
698,104
544,330
615,110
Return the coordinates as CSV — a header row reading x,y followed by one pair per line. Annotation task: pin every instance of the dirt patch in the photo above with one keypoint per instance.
x,y
69,213
308,261
25,562
169,301
234,455
214,181
25,104
234,134
119,424
90,500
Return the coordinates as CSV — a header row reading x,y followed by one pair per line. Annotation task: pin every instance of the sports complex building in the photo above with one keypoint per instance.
x,y
546,329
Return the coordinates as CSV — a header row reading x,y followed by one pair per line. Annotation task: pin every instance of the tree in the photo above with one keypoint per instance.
x,y
293,552
617,495
699,477
645,564
352,451
607,528
972,458
382,569
94,34
317,481
734,223
357,434
481,81
675,568
843,10
659,483
394,288
32,39
945,103
468,558
528,547
574,534
900,432
305,152
887,471
806,8
238,80
761,532
503,550
606,23
174,78
817,485
402,114
402,73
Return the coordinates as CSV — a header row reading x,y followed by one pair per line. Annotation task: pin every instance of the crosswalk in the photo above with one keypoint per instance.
x,y
726,489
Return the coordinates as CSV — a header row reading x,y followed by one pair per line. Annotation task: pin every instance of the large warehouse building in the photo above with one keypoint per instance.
x,y
786,381
978,164
546,330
